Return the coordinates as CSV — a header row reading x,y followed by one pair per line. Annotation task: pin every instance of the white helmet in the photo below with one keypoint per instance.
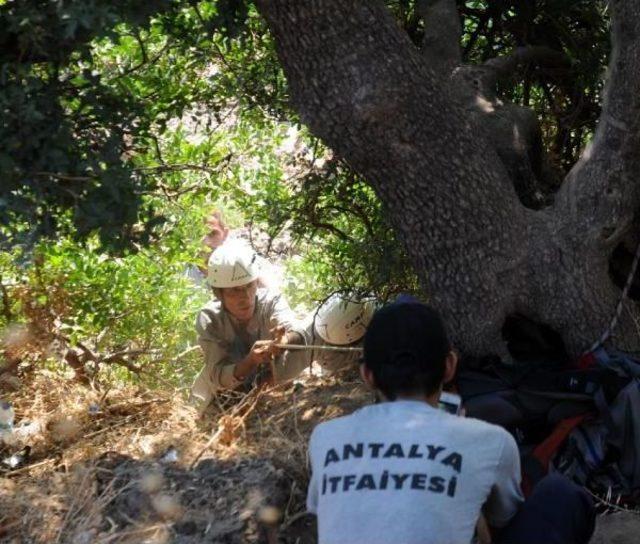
x,y
233,264
342,321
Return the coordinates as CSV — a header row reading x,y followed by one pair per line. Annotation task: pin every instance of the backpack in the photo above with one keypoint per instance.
x,y
530,400
578,421
603,453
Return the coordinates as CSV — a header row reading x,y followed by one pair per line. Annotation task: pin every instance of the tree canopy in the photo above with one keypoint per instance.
x,y
88,87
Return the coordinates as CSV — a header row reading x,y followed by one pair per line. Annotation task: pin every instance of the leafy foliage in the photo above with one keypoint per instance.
x,y
124,123
87,86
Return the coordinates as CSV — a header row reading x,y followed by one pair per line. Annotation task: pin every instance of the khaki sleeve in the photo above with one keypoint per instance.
x,y
280,314
291,363
217,372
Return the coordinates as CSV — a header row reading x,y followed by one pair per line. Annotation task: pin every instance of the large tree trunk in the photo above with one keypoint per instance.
x,y
418,128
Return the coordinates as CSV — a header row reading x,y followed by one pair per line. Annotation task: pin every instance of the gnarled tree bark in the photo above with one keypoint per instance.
x,y
413,127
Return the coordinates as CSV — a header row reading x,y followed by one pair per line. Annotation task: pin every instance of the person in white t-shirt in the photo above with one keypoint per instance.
x,y
403,471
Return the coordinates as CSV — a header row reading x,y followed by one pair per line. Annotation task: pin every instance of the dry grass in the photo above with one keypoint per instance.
x,y
68,494
56,498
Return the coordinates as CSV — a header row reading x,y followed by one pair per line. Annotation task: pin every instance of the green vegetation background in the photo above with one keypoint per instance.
x,y
125,123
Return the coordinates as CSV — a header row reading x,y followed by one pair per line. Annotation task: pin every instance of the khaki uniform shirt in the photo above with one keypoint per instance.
x,y
225,343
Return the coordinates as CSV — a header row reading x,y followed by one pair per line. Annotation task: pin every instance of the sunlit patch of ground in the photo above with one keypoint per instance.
x,y
132,465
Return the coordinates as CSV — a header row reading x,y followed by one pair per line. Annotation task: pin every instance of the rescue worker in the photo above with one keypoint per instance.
x,y
340,321
216,234
239,329
217,231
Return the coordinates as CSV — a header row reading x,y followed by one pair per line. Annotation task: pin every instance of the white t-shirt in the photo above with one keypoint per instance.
x,y
405,472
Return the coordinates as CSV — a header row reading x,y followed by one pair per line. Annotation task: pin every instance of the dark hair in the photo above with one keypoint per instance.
x,y
406,347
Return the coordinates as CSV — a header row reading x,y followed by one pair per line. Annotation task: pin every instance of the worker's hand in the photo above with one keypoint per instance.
x,y
279,334
483,532
282,336
261,352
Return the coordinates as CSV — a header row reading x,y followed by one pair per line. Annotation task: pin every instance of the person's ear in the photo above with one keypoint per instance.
x,y
367,376
450,366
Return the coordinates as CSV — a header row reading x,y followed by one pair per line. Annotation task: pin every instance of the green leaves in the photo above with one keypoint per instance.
x,y
88,87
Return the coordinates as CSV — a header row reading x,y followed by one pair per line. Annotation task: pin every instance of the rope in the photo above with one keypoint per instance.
x,y
616,317
319,348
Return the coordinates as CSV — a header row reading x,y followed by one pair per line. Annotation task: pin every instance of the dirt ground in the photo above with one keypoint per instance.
x,y
129,465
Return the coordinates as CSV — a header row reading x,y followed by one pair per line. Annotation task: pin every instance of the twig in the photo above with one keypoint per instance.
x,y
185,353
137,405
120,423
118,356
65,177
6,527
291,520
29,467
610,505
185,166
218,432
139,532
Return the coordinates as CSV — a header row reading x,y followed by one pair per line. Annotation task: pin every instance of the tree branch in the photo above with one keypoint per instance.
x,y
359,84
601,194
184,167
441,44
504,66
65,177
330,228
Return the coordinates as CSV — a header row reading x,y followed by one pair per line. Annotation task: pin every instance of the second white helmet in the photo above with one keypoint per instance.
x,y
233,264
341,320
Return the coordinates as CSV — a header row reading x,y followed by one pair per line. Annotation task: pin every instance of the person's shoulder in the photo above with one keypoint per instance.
x,y
329,429
269,299
210,313
483,430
